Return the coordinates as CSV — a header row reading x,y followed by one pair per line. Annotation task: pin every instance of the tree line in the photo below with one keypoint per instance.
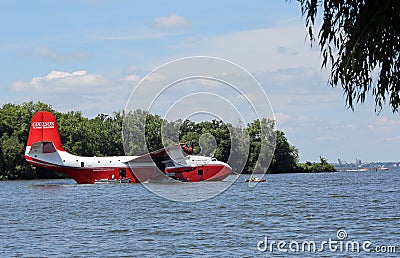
x,y
101,136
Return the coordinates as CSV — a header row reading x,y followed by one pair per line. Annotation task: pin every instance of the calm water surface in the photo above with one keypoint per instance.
x,y
60,218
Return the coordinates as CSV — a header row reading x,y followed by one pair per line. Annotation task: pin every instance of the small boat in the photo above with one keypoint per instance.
x,y
255,179
356,170
112,181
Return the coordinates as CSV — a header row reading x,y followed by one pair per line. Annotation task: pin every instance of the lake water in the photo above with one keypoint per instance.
x,y
60,218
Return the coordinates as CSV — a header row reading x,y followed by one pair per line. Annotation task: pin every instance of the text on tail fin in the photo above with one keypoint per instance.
x,y
44,128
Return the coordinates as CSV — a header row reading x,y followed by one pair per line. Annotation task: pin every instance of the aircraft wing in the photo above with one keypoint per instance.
x,y
176,154
173,152
151,166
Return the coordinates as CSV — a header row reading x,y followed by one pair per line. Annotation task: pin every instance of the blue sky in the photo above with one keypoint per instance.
x,y
89,55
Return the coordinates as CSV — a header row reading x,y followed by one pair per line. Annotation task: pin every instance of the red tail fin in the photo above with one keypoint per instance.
x,y
44,128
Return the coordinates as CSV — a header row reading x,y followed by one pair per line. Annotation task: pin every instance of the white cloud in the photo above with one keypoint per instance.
x,y
266,49
209,82
80,90
281,118
132,79
128,36
132,69
326,139
46,53
384,125
172,21
293,75
386,121
156,77
58,81
395,139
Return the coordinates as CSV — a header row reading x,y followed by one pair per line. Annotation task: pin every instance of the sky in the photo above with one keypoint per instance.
x,y
90,55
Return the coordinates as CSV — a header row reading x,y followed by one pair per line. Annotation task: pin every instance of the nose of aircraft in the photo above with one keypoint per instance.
x,y
225,171
227,167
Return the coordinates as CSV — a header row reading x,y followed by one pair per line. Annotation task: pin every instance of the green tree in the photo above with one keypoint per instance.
x,y
14,165
285,156
105,132
219,130
75,133
14,128
360,41
101,136
262,142
170,132
141,132
240,148
322,166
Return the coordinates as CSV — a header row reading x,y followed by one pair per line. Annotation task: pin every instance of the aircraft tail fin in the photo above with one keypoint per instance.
x,y
44,129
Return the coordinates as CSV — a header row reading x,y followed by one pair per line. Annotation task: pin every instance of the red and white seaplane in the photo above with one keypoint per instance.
x,y
44,149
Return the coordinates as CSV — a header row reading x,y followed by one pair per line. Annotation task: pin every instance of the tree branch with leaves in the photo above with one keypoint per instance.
x,y
360,42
